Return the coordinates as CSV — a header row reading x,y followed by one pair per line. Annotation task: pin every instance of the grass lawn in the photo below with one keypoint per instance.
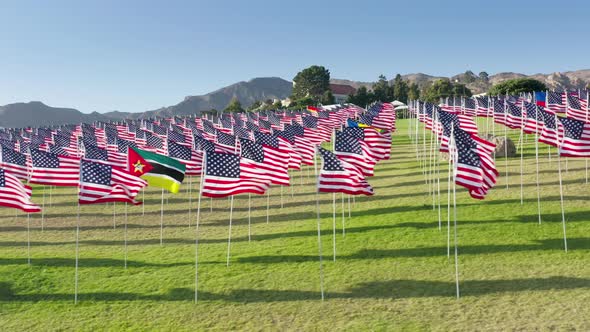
x,y
391,270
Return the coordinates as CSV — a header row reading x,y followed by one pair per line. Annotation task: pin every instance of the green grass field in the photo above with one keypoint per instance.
x,y
391,271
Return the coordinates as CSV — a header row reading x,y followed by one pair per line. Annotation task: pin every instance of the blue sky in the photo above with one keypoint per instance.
x,y
141,55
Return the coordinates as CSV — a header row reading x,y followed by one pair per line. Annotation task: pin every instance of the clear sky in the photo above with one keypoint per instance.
x,y
140,55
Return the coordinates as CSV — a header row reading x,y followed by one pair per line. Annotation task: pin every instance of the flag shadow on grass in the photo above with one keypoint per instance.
x,y
540,245
87,262
172,241
392,289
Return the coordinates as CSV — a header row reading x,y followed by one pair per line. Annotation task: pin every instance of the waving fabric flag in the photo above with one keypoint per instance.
x,y
265,167
54,170
575,141
337,176
224,177
575,109
475,168
550,131
102,183
166,172
14,194
14,162
190,158
348,149
534,118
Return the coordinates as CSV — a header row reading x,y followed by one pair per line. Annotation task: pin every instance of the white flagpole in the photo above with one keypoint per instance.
x,y
43,211
190,199
162,219
334,226
114,216
506,148
521,143
231,213
249,217
125,232
29,238
143,200
343,218
317,204
561,198
281,197
77,255
449,207
349,212
201,181
456,242
50,200
268,205
537,161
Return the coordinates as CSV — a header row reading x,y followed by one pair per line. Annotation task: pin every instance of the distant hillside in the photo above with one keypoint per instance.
x,y
558,81
36,113
247,93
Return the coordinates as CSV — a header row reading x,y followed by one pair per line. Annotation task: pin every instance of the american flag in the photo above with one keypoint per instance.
x,y
226,142
378,143
469,107
14,194
550,131
273,154
349,149
447,121
193,160
258,167
575,141
555,102
123,145
482,106
223,177
499,111
201,144
14,162
575,109
177,137
339,176
54,170
475,168
302,146
102,183
534,119
514,116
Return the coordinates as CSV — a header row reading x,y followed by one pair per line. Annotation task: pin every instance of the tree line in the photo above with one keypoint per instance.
x,y
311,86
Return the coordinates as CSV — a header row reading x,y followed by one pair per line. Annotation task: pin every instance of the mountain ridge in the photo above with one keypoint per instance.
x,y
36,113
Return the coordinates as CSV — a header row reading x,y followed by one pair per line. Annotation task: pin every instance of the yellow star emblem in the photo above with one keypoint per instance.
x,y
138,167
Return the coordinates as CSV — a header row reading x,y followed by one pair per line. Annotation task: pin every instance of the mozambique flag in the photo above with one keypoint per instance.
x,y
313,109
158,170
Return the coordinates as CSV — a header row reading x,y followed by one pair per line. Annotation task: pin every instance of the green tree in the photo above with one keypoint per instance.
x,y
400,89
328,98
413,92
311,82
441,88
484,77
234,106
461,90
255,105
381,89
516,86
362,97
277,105
469,77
